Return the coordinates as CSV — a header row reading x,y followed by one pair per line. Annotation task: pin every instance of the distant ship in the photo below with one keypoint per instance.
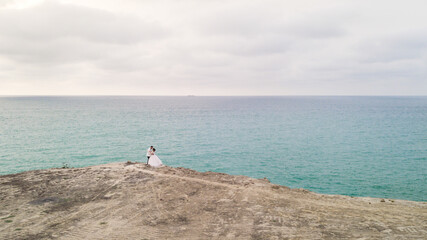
x,y
190,95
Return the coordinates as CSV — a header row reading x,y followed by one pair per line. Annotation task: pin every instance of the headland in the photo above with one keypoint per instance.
x,y
134,201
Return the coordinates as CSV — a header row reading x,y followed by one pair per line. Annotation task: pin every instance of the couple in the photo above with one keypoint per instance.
x,y
152,158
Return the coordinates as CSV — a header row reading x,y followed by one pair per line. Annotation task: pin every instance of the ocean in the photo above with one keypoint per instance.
x,y
356,146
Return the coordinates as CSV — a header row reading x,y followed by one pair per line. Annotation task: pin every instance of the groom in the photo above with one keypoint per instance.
x,y
149,153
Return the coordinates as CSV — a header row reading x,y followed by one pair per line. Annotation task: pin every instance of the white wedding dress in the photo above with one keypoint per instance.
x,y
155,161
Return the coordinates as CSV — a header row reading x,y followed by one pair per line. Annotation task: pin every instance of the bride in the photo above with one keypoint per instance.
x,y
154,160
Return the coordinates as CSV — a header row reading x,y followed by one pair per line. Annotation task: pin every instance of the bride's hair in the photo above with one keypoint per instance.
x,y
154,149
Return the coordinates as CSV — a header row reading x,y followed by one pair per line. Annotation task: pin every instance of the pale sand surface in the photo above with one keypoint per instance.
x,y
133,201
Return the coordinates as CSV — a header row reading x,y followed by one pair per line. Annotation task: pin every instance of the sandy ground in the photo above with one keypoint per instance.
x,y
133,201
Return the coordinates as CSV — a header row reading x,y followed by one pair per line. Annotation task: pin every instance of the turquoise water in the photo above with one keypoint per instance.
x,y
358,146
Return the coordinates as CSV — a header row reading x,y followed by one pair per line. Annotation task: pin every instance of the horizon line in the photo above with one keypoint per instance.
x,y
192,95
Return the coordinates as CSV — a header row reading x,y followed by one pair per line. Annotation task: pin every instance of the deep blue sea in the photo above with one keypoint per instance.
x,y
357,146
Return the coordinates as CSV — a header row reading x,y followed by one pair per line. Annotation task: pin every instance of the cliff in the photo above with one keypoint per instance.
x,y
134,201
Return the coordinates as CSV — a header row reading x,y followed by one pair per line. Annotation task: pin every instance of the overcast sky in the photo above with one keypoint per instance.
x,y
213,47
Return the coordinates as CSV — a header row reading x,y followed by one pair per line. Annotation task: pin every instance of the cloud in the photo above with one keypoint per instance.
x,y
5,2
56,33
51,21
402,47
212,47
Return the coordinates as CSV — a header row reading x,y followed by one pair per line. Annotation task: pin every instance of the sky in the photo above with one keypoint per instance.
x,y
213,47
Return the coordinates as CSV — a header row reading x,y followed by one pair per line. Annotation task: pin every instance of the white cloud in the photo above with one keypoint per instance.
x,y
212,47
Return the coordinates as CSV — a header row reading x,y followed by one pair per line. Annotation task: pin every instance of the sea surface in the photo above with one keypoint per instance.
x,y
357,146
